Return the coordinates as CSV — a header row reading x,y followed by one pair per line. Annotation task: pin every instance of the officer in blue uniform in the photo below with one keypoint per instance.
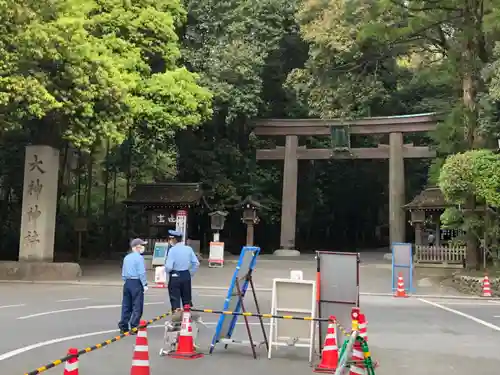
x,y
181,265
134,276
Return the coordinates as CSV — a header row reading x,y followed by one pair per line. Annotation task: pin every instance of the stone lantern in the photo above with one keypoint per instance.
x,y
249,216
217,219
428,204
417,218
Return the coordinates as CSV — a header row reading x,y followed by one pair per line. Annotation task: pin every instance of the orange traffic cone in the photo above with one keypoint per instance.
x,y
140,360
185,346
400,291
71,365
357,352
330,354
363,326
486,287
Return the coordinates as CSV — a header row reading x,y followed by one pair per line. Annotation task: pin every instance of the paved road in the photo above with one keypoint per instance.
x,y
40,322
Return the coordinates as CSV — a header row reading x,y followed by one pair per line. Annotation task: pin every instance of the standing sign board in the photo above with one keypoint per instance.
x,y
338,288
181,223
402,262
216,254
159,252
296,298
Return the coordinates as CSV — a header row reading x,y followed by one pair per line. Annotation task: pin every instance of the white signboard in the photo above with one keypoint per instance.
x,y
296,298
181,223
216,255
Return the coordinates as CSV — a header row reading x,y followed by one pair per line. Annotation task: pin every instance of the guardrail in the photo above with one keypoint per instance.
x,y
89,349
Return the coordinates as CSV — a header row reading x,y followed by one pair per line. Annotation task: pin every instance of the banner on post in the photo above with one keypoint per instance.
x,y
402,261
338,288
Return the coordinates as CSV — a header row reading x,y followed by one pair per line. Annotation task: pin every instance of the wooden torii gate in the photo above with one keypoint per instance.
x,y
396,152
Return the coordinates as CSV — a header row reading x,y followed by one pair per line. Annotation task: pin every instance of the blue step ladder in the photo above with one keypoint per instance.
x,y
241,280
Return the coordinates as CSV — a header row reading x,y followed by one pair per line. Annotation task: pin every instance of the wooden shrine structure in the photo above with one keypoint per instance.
x,y
396,151
164,206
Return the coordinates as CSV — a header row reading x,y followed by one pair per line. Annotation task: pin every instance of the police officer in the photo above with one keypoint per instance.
x,y
181,265
134,275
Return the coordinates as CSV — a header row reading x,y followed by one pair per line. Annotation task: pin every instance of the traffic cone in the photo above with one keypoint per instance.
x,y
363,326
400,291
71,365
330,354
357,357
140,360
185,346
486,287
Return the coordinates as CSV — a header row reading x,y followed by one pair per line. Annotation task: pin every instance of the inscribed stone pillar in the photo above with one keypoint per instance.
x,y
397,215
289,199
38,219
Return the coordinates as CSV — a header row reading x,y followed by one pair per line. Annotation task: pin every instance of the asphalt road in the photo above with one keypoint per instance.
x,y
40,322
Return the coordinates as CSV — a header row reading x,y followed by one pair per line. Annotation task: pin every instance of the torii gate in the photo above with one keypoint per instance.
x,y
396,152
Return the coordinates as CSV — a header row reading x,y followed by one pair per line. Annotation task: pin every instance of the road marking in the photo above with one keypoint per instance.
x,y
9,306
465,303
495,302
41,344
72,299
79,309
464,315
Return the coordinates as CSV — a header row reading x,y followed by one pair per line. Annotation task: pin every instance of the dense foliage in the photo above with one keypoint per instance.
x,y
157,90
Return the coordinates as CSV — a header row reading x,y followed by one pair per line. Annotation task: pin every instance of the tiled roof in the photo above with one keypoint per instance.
x,y
168,194
430,198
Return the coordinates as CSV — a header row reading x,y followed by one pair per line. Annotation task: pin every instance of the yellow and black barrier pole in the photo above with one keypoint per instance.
x,y
89,349
271,316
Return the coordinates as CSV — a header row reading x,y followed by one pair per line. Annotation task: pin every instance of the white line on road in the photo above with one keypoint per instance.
x,y
72,299
9,306
466,303
464,315
79,309
41,344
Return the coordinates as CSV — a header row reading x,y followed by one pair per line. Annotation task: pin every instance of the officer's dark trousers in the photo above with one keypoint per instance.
x,y
179,289
132,304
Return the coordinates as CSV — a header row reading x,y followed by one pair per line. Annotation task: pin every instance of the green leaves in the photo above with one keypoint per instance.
x,y
93,69
474,173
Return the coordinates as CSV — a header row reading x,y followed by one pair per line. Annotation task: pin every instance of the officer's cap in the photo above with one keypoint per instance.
x,y
174,233
137,242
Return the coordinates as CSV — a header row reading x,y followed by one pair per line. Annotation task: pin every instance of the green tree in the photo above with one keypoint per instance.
x,y
86,70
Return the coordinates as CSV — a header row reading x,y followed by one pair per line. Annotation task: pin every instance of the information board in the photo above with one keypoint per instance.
x,y
159,252
402,261
338,279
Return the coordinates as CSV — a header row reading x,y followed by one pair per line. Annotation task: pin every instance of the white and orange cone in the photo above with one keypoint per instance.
x,y
363,326
486,287
330,354
71,365
140,360
185,346
357,352
401,291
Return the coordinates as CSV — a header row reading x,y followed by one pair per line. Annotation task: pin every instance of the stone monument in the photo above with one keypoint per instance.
x,y
38,219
